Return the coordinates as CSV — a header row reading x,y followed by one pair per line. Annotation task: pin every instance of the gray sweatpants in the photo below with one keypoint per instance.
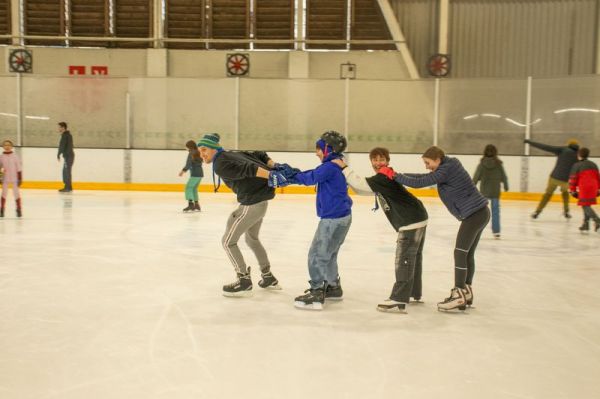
x,y
246,219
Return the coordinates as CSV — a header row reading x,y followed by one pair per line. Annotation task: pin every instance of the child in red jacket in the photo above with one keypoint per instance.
x,y
584,183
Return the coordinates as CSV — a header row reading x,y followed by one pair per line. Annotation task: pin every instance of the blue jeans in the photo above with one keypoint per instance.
x,y
495,202
322,256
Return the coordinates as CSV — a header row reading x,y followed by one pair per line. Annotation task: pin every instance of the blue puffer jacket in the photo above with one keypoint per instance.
x,y
455,187
333,201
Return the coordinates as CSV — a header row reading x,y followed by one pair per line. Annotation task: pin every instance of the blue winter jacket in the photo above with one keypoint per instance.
x,y
455,187
333,201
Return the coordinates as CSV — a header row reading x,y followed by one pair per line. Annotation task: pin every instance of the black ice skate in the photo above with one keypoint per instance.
x,y
596,225
269,282
391,306
456,300
1,212
197,206
585,227
469,295
19,213
312,299
334,293
567,215
190,207
240,288
535,214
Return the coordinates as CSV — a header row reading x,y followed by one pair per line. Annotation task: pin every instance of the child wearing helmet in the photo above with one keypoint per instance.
x,y
334,207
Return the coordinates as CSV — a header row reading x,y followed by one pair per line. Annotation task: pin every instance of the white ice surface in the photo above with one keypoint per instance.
x,y
118,295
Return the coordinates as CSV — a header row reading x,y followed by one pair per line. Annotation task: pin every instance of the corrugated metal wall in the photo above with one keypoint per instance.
x,y
418,21
517,38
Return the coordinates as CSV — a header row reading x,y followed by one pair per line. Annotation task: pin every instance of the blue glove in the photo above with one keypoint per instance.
x,y
286,170
277,179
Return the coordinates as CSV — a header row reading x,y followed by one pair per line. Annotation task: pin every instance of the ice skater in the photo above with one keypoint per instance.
x,y
13,175
408,217
465,202
583,185
248,174
334,207
566,158
491,173
194,165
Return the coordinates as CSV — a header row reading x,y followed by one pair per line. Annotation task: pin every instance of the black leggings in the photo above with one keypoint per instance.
x,y
467,239
588,213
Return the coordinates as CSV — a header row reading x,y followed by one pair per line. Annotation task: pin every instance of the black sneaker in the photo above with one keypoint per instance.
x,y
239,288
269,282
334,293
312,299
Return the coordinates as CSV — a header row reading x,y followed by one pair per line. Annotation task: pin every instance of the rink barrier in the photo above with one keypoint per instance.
x,y
207,188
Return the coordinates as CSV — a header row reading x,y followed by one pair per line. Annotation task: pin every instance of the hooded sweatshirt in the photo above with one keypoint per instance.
x,y
333,201
491,173
567,156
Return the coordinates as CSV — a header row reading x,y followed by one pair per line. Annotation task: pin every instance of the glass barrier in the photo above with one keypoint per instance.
x,y
288,115
397,115
474,113
93,107
167,112
8,109
566,108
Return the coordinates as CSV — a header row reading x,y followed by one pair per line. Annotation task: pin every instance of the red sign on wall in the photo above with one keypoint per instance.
x,y
81,70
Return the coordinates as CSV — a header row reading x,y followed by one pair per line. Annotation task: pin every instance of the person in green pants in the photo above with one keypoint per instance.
x,y
194,165
566,156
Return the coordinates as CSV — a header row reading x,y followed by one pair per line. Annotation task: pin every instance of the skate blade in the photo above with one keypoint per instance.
x,y
453,310
312,306
391,309
336,299
241,294
275,287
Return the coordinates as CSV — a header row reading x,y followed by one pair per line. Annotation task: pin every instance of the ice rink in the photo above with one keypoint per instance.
x,y
107,295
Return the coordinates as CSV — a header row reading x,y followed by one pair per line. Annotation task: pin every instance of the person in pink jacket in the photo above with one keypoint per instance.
x,y
13,174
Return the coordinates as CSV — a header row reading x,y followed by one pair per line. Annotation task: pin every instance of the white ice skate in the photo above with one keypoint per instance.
x,y
456,300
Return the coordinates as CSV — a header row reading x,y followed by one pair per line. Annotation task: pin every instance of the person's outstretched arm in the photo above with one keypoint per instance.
x,y
357,183
545,147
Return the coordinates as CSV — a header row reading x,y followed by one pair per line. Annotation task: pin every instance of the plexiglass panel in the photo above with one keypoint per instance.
x,y
93,107
8,109
392,114
474,113
288,115
167,112
564,109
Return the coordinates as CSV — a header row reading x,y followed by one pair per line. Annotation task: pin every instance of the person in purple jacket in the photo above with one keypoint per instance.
x,y
465,202
334,207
